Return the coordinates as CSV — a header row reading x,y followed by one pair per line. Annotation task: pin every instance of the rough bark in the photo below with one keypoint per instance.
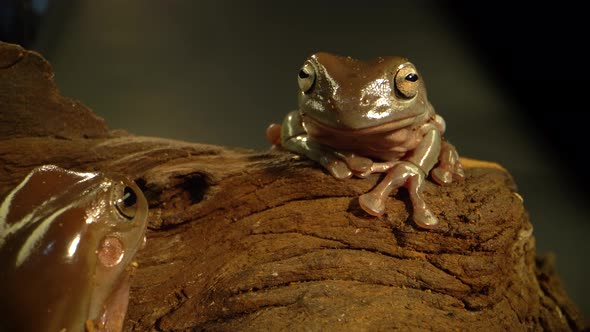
x,y
250,240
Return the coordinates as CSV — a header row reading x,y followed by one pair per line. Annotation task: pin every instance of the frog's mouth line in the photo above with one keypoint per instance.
x,y
318,126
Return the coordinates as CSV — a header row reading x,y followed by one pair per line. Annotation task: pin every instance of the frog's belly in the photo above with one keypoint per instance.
x,y
390,145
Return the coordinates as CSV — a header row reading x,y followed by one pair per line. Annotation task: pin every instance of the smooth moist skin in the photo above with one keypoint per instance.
x,y
67,240
362,117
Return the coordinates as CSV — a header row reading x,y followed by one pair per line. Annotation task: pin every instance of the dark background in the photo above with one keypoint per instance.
x,y
510,82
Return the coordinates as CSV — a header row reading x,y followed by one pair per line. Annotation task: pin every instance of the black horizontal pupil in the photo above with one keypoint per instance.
x,y
303,74
412,77
129,197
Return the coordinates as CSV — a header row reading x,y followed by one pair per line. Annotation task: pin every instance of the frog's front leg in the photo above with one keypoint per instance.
x,y
411,174
340,165
449,167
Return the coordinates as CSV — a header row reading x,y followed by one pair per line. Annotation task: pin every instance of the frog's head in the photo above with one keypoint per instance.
x,y
345,93
67,240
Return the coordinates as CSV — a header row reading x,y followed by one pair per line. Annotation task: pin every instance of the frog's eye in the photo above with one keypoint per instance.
x,y
126,201
407,81
306,77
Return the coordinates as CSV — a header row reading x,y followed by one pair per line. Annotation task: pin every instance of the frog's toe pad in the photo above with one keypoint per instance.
x,y
273,134
424,218
339,170
372,204
441,176
359,164
445,175
459,172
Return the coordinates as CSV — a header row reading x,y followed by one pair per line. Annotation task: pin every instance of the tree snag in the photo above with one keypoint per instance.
x,y
266,240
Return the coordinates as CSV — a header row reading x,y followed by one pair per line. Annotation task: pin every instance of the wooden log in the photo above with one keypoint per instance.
x,y
266,240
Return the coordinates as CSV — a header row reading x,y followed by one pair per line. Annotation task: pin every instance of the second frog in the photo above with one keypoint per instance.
x,y
362,117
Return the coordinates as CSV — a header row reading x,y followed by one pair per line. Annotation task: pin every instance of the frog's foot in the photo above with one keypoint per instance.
x,y
372,203
337,167
449,167
357,164
446,175
424,218
403,174
273,134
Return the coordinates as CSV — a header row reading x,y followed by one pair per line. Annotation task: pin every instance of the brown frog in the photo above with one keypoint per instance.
x,y
362,117
67,243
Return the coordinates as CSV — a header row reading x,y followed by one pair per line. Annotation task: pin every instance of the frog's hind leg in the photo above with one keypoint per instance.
x,y
273,134
404,174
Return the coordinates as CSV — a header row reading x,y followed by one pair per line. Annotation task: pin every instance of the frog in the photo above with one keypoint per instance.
x,y
360,117
67,245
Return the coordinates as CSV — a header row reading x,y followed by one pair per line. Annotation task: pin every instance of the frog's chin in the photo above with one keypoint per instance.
x,y
315,125
114,310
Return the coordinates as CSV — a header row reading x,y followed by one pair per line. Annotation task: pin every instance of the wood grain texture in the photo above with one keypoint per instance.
x,y
243,240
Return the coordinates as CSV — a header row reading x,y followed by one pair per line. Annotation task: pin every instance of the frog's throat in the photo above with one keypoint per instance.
x,y
112,314
309,121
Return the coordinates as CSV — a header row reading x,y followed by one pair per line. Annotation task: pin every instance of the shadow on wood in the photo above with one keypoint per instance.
x,y
250,240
